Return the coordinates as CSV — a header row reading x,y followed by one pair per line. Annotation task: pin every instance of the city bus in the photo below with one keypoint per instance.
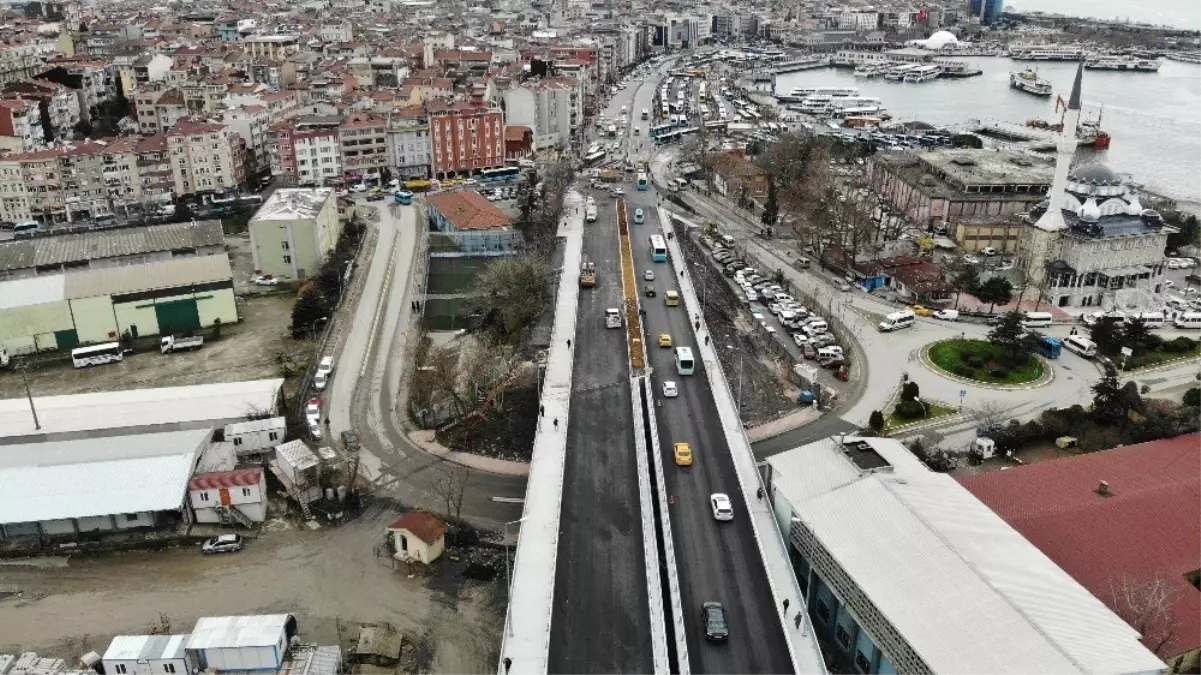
x,y
501,174
685,364
659,130
703,96
658,248
594,156
97,354
644,182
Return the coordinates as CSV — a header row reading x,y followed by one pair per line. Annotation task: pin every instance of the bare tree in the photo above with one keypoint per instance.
x,y
542,213
512,293
449,482
1149,607
990,414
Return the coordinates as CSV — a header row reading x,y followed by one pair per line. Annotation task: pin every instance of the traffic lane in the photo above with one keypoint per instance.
x,y
593,628
717,561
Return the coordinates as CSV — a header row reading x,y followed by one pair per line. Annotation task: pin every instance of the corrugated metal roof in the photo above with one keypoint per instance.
x,y
32,291
67,248
203,404
226,479
145,647
152,276
297,454
224,632
251,426
965,590
96,476
294,204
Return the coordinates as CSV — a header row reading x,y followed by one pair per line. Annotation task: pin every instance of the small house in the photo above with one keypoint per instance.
x,y
299,471
256,436
234,643
147,655
237,496
418,536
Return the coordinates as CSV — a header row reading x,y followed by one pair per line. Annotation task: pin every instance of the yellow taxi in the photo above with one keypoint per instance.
x,y
672,298
683,454
664,340
921,310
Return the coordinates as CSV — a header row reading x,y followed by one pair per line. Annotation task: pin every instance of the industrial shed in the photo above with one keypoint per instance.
x,y
99,249
64,311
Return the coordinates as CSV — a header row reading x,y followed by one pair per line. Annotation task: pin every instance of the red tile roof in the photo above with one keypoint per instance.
x,y
1148,527
425,526
468,210
226,479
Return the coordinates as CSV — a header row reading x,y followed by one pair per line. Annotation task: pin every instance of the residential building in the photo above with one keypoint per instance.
x,y
159,109
69,183
735,177
336,31
943,188
519,141
1122,522
252,123
21,120
59,104
475,224
912,278
274,47
293,232
465,138
23,60
154,170
205,157
543,106
91,79
237,496
151,68
418,537
147,655
905,571
363,139
307,151
256,437
409,143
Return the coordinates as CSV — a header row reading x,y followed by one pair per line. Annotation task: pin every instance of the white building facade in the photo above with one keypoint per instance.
x,y
545,107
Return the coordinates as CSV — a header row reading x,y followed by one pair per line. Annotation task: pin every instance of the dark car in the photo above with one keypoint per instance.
x,y
714,616
831,363
808,350
649,291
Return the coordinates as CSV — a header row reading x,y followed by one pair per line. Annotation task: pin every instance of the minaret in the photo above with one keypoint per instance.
x,y
1065,149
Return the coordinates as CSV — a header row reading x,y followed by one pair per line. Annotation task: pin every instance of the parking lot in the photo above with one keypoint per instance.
x,y
246,351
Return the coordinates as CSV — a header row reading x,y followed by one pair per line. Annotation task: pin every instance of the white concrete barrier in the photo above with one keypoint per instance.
x,y
799,636
650,544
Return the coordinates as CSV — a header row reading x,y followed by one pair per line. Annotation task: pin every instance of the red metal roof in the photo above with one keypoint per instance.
x,y
226,479
1148,527
425,526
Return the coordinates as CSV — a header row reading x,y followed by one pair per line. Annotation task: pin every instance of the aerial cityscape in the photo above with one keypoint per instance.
x,y
607,336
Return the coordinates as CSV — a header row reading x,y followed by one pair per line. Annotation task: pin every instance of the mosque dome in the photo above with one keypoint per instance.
x,y
1094,174
941,39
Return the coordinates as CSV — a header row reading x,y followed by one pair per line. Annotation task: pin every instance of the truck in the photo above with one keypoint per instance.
x,y
612,318
590,213
588,274
609,175
173,343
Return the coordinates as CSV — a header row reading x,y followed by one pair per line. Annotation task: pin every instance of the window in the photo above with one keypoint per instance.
x,y
288,259
862,663
841,634
284,245
237,441
273,436
168,667
823,610
131,517
245,492
119,668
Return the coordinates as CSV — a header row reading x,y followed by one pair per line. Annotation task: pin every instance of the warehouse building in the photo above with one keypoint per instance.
x,y
63,311
97,249
293,232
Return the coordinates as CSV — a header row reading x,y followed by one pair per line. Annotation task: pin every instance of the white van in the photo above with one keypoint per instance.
x,y
1150,319
830,352
815,327
1188,320
897,321
1036,320
1080,345
947,314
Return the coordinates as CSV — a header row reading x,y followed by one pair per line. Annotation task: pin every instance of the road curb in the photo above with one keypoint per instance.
x,y
923,357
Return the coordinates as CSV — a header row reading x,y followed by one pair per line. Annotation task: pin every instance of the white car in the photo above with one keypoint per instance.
x,y
834,348
312,411
649,275
1173,264
324,369
266,280
723,508
774,308
1169,283
358,187
1190,291
800,339
670,390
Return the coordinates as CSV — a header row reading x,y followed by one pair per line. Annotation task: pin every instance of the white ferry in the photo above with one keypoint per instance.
x,y
1110,62
1046,53
1029,82
898,73
872,69
923,74
805,92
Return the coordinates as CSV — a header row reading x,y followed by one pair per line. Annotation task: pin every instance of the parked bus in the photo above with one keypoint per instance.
x,y
1050,347
703,96
1080,345
656,132
594,156
685,364
644,182
1188,320
96,355
1036,320
658,248
506,173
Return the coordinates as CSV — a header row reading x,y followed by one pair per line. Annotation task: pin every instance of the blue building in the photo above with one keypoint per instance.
x,y
228,31
475,224
992,10
904,570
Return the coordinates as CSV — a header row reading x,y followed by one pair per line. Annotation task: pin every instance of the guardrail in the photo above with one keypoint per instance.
x,y
803,649
650,538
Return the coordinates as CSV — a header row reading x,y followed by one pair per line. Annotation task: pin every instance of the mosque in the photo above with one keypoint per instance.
x,y
1091,241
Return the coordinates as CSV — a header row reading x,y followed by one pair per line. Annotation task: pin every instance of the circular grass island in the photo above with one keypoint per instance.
x,y
985,362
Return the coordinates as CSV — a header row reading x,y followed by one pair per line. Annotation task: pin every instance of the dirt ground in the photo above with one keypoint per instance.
x,y
329,579
245,351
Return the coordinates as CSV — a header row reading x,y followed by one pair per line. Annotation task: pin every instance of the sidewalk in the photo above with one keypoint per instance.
x,y
793,420
426,440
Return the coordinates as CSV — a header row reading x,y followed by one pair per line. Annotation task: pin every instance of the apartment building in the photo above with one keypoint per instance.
x,y
545,107
253,124
20,125
14,197
271,46
364,142
204,156
409,143
151,68
378,71
159,109
19,61
465,137
154,169
91,79
59,103
307,150
57,185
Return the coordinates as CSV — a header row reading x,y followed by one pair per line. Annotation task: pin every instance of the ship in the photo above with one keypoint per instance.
x,y
1029,82
1128,63
1046,53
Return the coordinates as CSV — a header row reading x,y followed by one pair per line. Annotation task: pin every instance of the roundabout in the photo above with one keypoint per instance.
x,y
983,364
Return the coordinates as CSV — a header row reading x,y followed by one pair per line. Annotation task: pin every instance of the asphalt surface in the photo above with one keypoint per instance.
x,y
716,561
601,617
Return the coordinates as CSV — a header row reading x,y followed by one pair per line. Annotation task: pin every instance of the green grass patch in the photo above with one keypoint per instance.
x,y
454,275
983,362
933,411
1156,357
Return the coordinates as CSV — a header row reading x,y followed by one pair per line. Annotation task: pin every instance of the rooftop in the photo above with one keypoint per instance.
x,y
199,406
231,632
176,273
468,210
145,647
975,174
965,592
85,477
1145,529
294,204
66,248
426,526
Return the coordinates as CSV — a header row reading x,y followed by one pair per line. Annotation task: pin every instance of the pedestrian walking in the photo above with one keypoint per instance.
x,y
541,411
759,494
508,664
556,424
706,339
697,325
797,620
785,605
569,343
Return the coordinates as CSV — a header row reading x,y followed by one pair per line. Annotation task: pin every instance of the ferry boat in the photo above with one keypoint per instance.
x,y
799,94
872,69
1029,82
898,73
922,74
1114,62
1046,53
